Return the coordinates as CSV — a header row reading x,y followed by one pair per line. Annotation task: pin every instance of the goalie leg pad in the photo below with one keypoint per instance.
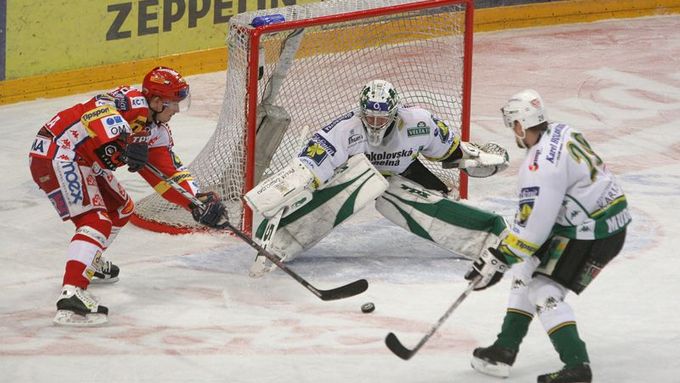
x,y
289,190
457,227
353,186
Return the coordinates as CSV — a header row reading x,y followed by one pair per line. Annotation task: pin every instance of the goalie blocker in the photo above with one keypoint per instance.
x,y
307,215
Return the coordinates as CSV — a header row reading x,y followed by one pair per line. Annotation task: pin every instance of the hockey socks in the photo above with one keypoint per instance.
x,y
568,344
515,327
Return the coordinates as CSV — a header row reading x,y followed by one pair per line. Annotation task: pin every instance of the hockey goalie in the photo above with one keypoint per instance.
x,y
371,154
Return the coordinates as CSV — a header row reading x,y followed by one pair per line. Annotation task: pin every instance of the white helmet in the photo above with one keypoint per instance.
x,y
377,109
525,107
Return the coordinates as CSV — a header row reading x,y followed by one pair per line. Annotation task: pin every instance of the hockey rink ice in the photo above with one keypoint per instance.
x,y
185,310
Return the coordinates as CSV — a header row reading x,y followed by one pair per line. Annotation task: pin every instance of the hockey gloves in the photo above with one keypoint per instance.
x,y
489,268
211,212
136,152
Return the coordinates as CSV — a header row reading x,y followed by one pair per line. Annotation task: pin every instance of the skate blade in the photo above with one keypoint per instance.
x,y
103,281
69,318
499,370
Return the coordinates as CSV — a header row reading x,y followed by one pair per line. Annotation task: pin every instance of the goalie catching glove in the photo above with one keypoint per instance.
x,y
211,213
489,268
480,162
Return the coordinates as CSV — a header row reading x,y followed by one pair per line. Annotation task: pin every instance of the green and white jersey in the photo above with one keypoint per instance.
x,y
415,131
564,189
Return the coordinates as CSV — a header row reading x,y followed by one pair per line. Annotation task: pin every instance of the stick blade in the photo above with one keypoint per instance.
x,y
393,343
346,291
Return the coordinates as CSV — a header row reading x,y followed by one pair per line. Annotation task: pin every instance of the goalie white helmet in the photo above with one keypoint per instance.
x,y
525,107
377,109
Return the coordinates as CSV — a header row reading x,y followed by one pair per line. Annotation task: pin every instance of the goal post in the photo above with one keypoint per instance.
x,y
302,66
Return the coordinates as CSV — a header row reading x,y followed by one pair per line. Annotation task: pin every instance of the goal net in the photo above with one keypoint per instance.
x,y
302,66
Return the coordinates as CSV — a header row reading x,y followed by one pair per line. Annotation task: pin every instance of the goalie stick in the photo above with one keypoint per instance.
x,y
346,291
399,350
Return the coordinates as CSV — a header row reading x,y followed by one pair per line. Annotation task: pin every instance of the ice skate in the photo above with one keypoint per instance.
x,y
105,272
575,374
76,307
493,360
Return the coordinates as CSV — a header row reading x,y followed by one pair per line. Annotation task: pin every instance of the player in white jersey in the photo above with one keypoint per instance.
x,y
570,223
343,167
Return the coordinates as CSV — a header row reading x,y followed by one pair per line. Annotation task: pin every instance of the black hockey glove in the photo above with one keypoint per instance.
x,y
489,267
135,155
211,213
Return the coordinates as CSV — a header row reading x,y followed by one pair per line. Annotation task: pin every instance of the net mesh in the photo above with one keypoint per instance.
x,y
421,52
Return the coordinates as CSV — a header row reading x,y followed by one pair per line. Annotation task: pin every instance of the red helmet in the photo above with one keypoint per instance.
x,y
165,83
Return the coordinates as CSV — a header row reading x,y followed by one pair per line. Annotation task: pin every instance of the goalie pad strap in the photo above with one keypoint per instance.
x,y
457,227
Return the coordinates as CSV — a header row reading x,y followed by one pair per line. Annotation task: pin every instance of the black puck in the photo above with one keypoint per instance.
x,y
367,307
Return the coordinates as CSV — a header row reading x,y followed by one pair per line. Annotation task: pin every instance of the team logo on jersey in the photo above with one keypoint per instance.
x,y
421,129
525,209
527,196
318,149
315,152
442,129
327,146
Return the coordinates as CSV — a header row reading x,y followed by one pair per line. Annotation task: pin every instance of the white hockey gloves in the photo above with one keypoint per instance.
x,y
289,190
483,161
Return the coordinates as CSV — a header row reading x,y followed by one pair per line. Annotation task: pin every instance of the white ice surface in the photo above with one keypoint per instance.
x,y
185,310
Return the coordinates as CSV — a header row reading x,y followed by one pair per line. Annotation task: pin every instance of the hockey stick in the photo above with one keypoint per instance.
x,y
399,350
259,266
346,291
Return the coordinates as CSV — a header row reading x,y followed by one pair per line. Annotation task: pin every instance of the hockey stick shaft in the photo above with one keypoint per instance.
x,y
393,343
348,290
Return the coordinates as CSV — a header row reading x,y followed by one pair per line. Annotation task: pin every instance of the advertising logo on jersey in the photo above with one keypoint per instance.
x,y
421,129
344,117
354,138
138,102
114,126
97,113
527,196
72,182
41,146
555,149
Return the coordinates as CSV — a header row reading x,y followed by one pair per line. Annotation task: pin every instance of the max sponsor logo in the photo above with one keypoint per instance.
x,y
73,181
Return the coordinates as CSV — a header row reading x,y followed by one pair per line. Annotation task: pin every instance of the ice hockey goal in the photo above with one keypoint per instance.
x,y
304,66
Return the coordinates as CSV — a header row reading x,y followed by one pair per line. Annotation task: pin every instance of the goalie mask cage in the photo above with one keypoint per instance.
x,y
287,79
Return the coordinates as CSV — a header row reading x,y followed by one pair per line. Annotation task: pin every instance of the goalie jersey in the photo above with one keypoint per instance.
x,y
564,189
414,131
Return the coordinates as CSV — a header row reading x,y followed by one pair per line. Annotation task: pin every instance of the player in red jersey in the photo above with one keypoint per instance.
x,y
72,160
